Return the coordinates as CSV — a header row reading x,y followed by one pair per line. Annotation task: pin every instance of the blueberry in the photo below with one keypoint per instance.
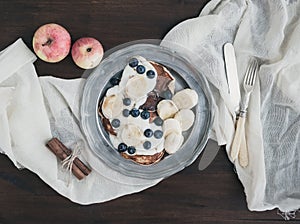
x,y
126,101
133,62
114,81
135,112
158,134
148,133
167,94
147,145
126,112
131,150
122,147
158,121
145,114
150,74
115,123
140,69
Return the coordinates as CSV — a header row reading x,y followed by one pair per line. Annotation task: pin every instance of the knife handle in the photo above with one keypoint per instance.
x,y
239,133
243,154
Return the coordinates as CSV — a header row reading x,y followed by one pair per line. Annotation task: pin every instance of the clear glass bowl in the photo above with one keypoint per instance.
x,y
186,76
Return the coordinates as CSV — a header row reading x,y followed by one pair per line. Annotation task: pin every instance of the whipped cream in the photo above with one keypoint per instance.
x,y
134,86
133,132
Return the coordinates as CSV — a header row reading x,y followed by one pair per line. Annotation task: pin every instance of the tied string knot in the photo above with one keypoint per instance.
x,y
69,158
67,163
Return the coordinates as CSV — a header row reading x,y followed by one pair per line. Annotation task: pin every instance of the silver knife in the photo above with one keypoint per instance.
x,y
232,75
235,96
212,147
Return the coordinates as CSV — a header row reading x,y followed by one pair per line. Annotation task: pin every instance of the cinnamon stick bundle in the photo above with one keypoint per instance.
x,y
79,169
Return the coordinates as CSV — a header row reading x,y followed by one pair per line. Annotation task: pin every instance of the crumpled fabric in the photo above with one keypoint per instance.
x,y
32,111
270,31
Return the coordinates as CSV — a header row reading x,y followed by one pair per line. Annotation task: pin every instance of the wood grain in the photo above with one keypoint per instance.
x,y
211,196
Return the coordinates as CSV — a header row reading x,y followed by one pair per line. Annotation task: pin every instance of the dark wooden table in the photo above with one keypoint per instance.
x,y
214,195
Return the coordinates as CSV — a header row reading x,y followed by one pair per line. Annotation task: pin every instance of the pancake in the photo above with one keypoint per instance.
x,y
143,85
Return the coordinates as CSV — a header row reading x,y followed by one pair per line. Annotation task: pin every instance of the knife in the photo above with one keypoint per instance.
x,y
212,147
232,75
235,97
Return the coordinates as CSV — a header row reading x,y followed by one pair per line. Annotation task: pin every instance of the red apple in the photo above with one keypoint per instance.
x,y
87,52
51,42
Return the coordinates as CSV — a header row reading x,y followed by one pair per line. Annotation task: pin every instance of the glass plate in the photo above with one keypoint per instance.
x,y
186,76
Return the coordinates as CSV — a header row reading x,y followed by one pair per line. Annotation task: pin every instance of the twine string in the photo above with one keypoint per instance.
x,y
67,163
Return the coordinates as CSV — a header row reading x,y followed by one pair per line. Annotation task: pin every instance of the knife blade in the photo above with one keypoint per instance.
x,y
232,75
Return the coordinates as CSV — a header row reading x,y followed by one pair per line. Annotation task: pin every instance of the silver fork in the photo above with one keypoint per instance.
x,y
248,85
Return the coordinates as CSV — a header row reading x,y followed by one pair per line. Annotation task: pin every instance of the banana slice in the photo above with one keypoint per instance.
x,y
131,72
185,99
112,106
127,73
186,118
113,91
173,142
166,109
139,86
171,125
131,135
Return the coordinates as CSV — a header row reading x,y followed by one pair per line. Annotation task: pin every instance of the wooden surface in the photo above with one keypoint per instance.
x,y
211,196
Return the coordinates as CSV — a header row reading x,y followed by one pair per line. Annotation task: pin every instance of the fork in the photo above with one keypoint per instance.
x,y
248,85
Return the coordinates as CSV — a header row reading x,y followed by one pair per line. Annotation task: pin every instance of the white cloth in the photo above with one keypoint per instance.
x,y
270,31
25,128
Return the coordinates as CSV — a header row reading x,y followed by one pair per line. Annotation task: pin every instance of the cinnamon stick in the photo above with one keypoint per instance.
x,y
77,161
79,169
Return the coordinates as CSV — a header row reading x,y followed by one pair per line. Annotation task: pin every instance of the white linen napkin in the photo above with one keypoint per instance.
x,y
30,117
270,31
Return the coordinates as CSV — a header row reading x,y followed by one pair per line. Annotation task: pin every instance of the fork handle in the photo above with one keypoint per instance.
x,y
239,133
243,154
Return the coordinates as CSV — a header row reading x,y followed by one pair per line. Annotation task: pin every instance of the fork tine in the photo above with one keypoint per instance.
x,y
251,73
246,79
253,76
256,71
248,73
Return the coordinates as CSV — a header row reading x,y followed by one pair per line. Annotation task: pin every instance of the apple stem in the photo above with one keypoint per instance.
x,y
89,49
48,42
